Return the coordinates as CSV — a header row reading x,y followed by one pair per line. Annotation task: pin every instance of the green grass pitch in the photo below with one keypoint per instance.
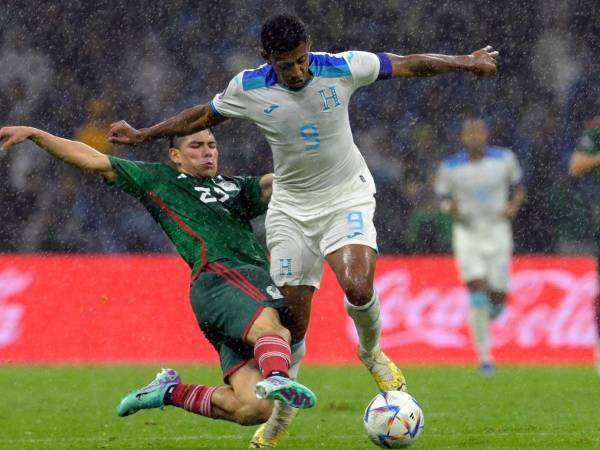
x,y
518,408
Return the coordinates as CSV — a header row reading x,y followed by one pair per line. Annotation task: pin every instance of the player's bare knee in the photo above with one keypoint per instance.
x,y
283,332
263,411
268,324
358,291
254,413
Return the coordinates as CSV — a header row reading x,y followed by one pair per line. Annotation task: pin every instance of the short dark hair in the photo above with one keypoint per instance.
x,y
174,141
282,33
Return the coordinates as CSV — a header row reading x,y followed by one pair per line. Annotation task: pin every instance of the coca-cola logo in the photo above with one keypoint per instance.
x,y
12,282
547,307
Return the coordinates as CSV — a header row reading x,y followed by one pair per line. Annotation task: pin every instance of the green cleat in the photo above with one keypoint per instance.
x,y
288,391
150,396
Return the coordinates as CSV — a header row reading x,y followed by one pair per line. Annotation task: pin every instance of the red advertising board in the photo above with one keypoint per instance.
x,y
121,308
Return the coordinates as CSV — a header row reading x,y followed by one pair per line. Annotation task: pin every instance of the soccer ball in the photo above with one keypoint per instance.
x,y
393,419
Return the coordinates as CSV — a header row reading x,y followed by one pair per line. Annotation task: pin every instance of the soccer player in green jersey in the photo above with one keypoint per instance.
x,y
586,159
233,297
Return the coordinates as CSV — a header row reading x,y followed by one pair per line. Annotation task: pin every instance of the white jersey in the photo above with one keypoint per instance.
x,y
308,130
481,188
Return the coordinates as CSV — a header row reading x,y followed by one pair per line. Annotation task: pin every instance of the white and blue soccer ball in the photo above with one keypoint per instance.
x,y
393,419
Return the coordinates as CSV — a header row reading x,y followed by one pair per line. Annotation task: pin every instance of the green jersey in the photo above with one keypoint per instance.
x,y
208,219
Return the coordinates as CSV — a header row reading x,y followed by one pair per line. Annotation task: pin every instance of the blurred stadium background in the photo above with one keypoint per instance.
x,y
72,67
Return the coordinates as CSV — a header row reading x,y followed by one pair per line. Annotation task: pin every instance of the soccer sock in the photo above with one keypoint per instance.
x,y
196,398
298,352
283,414
367,320
479,317
273,355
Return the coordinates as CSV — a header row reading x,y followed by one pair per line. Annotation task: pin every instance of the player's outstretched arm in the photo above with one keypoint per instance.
x,y
480,62
189,121
74,153
582,163
266,188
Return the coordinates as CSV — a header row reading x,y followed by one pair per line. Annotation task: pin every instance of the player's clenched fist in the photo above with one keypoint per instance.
x,y
10,136
485,61
123,133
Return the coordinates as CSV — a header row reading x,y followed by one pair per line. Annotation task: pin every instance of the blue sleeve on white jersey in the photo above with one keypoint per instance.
x,y
385,67
214,109
231,102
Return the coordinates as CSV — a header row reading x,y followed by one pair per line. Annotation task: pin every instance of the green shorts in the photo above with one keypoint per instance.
x,y
227,298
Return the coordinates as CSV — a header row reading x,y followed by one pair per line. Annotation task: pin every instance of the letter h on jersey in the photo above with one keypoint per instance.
x,y
285,267
331,97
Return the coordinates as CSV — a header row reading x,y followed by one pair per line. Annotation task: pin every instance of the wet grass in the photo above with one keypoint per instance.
x,y
517,408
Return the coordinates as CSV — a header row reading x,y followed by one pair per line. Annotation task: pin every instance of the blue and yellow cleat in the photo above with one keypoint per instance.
x,y
150,396
288,391
385,372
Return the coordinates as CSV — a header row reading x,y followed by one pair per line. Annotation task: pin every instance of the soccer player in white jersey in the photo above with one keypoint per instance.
x,y
481,187
322,206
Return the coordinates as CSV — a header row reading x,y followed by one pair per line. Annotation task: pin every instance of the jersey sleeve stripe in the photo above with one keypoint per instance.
x,y
456,160
264,76
328,66
213,108
385,67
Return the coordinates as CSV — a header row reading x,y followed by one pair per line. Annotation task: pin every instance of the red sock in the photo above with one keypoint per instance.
x,y
273,354
194,398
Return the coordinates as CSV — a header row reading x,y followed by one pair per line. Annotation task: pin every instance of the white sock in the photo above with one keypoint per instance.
x,y
479,318
367,320
298,352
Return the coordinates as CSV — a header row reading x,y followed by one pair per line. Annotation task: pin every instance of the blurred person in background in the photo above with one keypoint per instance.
x,y
481,187
428,230
586,160
94,129
19,59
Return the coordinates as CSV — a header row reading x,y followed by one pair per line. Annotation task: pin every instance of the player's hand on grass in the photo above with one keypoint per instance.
x,y
10,136
484,61
123,133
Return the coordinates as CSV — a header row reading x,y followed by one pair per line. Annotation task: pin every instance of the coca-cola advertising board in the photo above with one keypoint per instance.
x,y
121,308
